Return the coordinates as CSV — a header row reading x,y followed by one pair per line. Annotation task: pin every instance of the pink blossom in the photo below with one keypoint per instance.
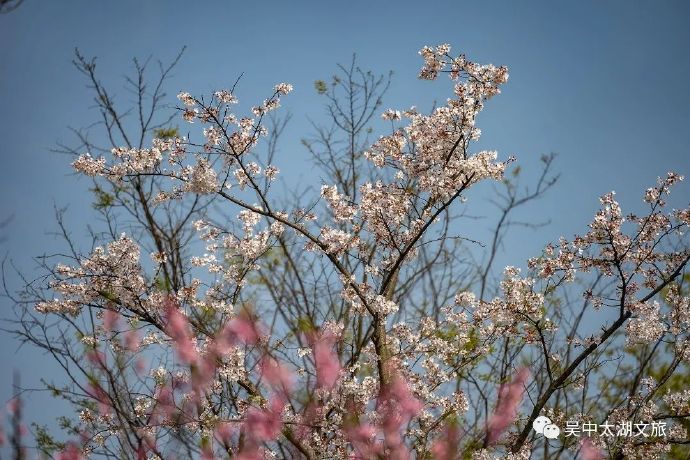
x,y
141,452
97,358
70,452
240,329
177,323
14,405
207,453
509,399
110,319
95,391
140,366
326,361
408,405
264,424
186,351
446,446
277,374
164,406
177,328
203,371
588,451
224,432
398,405
132,341
362,437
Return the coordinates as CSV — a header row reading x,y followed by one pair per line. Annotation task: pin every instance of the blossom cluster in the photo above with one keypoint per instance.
x,y
631,250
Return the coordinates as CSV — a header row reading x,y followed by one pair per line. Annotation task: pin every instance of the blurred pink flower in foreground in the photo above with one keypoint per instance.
x,y
509,399
588,451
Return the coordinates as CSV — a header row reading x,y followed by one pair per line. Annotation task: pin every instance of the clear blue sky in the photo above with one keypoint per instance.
x,y
602,83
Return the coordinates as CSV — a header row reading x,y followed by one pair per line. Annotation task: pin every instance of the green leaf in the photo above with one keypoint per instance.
x,y
166,133
320,86
103,199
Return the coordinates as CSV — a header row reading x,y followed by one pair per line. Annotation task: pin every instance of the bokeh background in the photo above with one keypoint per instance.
x,y
604,84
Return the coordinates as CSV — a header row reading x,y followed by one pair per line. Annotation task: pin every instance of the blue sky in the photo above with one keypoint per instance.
x,y
602,83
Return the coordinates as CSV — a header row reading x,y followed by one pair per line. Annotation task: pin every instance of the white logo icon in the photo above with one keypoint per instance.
x,y
543,425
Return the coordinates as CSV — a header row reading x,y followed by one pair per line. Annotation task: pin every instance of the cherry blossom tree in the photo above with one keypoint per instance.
x,y
216,318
